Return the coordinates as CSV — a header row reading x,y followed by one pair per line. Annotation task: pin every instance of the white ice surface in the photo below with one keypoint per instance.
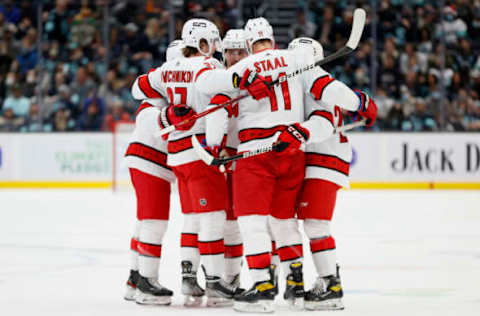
x,y
401,252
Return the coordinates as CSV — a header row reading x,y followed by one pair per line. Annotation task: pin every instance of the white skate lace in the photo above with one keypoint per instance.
x,y
320,286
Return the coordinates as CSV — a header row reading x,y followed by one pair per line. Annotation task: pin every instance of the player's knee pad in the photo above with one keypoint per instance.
x,y
212,224
191,223
253,224
136,229
232,232
315,228
152,231
285,231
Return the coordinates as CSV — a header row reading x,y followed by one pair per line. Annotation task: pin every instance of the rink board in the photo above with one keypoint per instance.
x,y
380,160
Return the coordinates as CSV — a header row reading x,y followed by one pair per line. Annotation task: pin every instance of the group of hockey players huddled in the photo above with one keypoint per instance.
x,y
251,208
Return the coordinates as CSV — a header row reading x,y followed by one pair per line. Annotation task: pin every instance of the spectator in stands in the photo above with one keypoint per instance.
x,y
9,122
33,122
452,27
81,87
302,27
420,119
83,29
10,11
19,104
28,55
92,116
60,120
57,23
135,45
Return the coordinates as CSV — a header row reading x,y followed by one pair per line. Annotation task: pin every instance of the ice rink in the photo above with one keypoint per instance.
x,y
65,252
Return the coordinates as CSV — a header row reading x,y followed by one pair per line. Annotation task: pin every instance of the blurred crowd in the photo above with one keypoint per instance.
x,y
417,44
64,83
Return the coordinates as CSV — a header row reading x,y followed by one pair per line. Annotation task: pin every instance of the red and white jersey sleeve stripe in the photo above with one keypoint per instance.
x,y
146,152
323,87
330,159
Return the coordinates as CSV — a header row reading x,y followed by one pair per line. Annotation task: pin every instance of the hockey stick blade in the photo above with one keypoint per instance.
x,y
359,17
201,152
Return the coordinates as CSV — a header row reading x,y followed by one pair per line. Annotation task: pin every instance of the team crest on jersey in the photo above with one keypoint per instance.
x,y
203,202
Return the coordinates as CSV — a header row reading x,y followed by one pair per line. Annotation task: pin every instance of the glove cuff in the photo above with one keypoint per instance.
x,y
163,118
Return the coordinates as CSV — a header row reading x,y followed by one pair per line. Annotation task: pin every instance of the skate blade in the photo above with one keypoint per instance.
x,y
328,305
296,304
261,306
192,301
130,294
148,299
219,302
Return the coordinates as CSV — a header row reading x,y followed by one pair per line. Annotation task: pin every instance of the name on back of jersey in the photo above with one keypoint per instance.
x,y
269,64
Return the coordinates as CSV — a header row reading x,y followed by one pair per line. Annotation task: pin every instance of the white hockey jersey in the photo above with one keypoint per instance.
x,y
176,80
330,159
259,122
146,152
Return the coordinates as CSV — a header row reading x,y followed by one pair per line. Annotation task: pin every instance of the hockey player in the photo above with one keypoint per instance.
x,y
268,184
151,176
234,50
327,169
203,190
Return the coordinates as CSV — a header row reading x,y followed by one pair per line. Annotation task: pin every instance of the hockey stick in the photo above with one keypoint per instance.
x,y
211,160
352,43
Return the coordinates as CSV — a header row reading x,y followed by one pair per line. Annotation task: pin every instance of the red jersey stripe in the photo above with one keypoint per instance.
x,y
179,145
322,244
246,135
143,106
134,244
319,86
233,251
290,252
146,87
328,162
189,240
148,153
325,114
259,261
211,247
149,250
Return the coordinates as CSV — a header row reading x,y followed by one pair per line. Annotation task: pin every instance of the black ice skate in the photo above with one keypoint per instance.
x,y
258,299
150,292
294,291
190,288
131,285
326,294
219,293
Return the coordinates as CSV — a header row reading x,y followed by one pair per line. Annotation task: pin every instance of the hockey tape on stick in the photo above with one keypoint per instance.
x,y
206,157
358,25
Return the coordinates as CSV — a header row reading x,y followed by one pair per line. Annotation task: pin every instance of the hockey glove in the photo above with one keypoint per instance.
x,y
174,114
367,108
292,138
255,84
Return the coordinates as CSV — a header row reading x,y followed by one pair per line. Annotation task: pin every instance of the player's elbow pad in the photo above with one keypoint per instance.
x,y
337,93
137,92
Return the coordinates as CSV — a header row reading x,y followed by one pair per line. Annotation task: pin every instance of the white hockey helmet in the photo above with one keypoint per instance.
x,y
310,43
234,39
174,49
194,30
258,29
